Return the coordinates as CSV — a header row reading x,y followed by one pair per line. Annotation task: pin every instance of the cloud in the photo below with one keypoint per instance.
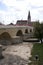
x,y
18,9
36,2
9,2
3,7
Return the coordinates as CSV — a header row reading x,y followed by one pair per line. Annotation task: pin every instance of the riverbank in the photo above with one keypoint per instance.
x,y
17,54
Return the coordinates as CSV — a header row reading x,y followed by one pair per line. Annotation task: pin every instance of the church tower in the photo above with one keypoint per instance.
x,y
29,18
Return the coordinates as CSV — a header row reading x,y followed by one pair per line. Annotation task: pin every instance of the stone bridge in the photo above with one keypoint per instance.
x,y
10,34
13,31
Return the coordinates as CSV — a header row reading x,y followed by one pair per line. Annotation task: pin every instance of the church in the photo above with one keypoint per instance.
x,y
25,22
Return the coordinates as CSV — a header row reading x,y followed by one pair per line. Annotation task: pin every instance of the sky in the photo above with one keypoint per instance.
x,y
13,10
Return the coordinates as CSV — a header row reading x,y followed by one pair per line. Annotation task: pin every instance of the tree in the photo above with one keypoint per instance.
x,y
38,31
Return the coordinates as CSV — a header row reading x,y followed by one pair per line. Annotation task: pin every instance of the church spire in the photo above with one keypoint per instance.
x,y
29,15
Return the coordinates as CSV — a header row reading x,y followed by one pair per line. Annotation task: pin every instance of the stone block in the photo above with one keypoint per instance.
x,y
17,40
1,52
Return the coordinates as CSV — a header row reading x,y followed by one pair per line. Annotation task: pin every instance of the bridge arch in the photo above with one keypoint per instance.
x,y
26,30
5,35
19,33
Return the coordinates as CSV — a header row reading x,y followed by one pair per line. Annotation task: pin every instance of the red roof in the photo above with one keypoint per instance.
x,y
23,24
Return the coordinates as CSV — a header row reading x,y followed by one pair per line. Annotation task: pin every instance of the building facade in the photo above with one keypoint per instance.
x,y
25,22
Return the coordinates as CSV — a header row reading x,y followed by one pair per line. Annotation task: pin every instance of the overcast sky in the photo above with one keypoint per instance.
x,y
13,10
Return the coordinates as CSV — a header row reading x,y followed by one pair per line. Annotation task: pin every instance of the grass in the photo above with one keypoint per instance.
x,y
37,50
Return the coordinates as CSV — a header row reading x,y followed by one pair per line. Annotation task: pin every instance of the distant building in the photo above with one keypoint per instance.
x,y
34,22
25,22
11,24
29,18
21,22
1,24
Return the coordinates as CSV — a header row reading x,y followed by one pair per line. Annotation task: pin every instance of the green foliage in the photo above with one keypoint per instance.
x,y
38,50
38,31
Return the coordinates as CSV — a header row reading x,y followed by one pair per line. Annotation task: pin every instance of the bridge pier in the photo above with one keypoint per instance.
x,y
1,56
17,39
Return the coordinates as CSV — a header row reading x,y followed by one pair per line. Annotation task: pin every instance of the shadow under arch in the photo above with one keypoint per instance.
x,y
5,35
26,30
19,33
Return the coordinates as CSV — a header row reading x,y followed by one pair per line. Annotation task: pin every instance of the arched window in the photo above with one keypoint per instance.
x,y
26,31
19,33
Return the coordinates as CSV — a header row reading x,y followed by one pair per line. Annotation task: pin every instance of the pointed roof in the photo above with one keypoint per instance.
x,y
29,15
11,24
1,23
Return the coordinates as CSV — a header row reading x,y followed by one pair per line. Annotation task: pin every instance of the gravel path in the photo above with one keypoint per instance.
x,y
17,54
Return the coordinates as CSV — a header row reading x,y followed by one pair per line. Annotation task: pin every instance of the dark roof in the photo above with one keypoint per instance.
x,y
19,23
1,23
11,24
22,21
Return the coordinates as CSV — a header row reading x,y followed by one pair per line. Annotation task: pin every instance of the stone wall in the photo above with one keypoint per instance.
x,y
0,51
26,36
16,40
5,42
